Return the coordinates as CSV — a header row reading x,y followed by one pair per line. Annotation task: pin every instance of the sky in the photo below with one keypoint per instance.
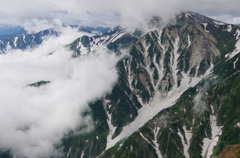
x,y
45,13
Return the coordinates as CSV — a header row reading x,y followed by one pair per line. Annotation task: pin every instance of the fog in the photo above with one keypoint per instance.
x,y
34,119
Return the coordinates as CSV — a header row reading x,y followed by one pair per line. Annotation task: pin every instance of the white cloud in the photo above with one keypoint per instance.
x,y
111,12
33,120
35,25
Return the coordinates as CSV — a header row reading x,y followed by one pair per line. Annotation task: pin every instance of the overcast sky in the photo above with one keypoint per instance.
x,y
109,12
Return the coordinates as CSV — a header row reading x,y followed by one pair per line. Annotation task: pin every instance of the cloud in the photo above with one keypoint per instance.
x,y
35,25
112,13
34,119
200,100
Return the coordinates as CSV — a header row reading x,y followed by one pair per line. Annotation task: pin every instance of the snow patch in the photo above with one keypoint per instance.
x,y
69,151
186,145
238,124
174,64
117,37
111,127
219,22
144,138
82,154
189,41
24,39
234,63
208,144
156,130
237,34
15,42
157,104
205,27
226,55
33,37
235,52
187,15
229,29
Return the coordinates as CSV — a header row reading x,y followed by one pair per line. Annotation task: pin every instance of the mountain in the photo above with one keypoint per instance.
x,y
21,40
11,31
25,40
177,94
114,40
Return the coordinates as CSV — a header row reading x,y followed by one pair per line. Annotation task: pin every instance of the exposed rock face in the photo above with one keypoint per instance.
x,y
113,40
160,66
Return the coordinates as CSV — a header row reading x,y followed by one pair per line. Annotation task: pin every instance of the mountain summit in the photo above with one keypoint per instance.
x,y
169,100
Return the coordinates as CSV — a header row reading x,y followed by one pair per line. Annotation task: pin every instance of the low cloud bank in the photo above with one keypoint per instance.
x,y
34,119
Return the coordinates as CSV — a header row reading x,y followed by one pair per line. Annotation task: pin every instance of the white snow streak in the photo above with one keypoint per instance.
x,y
219,22
229,29
174,64
238,124
69,151
111,127
82,154
117,37
189,41
236,50
205,27
15,42
158,103
24,39
156,130
237,34
188,136
234,63
187,15
144,138
208,144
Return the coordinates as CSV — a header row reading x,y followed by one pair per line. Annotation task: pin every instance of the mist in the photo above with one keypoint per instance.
x,y
33,120
130,14
200,100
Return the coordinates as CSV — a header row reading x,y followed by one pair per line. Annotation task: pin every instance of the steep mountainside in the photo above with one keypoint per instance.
x,y
162,65
114,40
177,94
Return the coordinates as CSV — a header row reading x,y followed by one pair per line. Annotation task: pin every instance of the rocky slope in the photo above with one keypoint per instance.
x,y
204,116
161,66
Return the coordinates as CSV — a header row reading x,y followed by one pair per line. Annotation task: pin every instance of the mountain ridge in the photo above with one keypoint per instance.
x,y
177,93
204,29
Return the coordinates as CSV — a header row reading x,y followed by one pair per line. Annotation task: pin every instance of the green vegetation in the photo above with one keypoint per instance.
x,y
39,83
93,142
85,41
123,42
